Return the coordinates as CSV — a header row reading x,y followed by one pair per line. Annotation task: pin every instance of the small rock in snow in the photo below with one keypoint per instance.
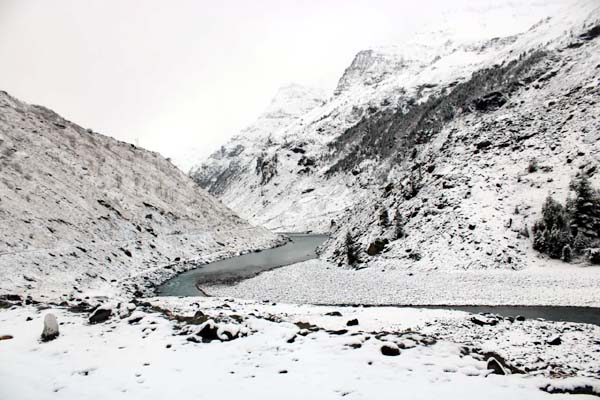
x,y
496,367
390,349
50,331
352,322
100,315
555,341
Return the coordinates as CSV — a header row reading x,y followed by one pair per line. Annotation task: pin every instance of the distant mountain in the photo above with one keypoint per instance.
x,y
439,129
79,208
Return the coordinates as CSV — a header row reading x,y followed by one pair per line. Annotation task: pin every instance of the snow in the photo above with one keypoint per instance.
x,y
386,77
151,359
73,199
80,209
320,282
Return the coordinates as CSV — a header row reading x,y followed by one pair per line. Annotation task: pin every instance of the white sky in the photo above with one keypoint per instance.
x,y
171,75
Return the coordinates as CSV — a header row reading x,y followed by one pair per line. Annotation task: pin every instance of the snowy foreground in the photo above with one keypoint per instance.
x,y
159,348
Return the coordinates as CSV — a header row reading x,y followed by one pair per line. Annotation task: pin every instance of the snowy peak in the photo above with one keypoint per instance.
x,y
294,101
368,67
289,104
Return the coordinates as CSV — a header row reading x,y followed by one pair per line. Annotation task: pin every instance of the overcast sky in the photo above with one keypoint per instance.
x,y
170,75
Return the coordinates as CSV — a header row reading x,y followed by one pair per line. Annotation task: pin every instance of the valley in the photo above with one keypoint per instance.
x,y
430,228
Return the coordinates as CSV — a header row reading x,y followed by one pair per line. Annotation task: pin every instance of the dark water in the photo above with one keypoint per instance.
x,y
587,315
301,248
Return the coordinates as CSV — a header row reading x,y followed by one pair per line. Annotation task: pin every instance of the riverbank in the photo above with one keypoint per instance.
x,y
319,282
298,248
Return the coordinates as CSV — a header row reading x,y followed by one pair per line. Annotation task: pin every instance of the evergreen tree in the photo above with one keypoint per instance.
x,y
567,253
384,218
585,207
398,225
351,253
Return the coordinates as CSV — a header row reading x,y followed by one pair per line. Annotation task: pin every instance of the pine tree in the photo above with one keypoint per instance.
x,y
398,225
384,218
567,253
581,242
585,207
351,253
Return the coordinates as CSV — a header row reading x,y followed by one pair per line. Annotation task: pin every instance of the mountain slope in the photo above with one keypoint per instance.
x,y
436,129
308,174
80,209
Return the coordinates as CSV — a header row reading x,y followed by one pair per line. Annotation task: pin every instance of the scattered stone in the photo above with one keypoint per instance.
x,y
555,341
376,246
100,315
5,337
481,321
520,318
390,349
334,314
50,331
352,322
208,331
496,367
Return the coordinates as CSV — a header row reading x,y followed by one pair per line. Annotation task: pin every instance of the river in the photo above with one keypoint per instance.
x,y
302,247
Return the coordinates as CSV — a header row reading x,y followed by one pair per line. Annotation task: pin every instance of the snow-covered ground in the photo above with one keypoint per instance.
x,y
320,282
287,351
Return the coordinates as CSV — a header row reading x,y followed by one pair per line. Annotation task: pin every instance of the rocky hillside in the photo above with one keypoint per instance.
x,y
440,130
80,210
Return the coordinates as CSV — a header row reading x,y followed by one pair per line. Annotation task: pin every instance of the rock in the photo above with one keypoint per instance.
x,y
390,349
334,314
208,331
11,297
520,318
5,337
50,331
352,322
496,367
490,102
555,341
376,246
481,321
100,315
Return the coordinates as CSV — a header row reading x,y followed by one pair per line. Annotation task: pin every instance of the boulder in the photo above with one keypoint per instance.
x,y
483,320
555,341
208,331
496,367
352,322
376,246
50,331
100,315
334,314
490,102
390,349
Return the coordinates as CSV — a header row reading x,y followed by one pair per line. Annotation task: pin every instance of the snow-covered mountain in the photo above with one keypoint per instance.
x,y
431,108
77,206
